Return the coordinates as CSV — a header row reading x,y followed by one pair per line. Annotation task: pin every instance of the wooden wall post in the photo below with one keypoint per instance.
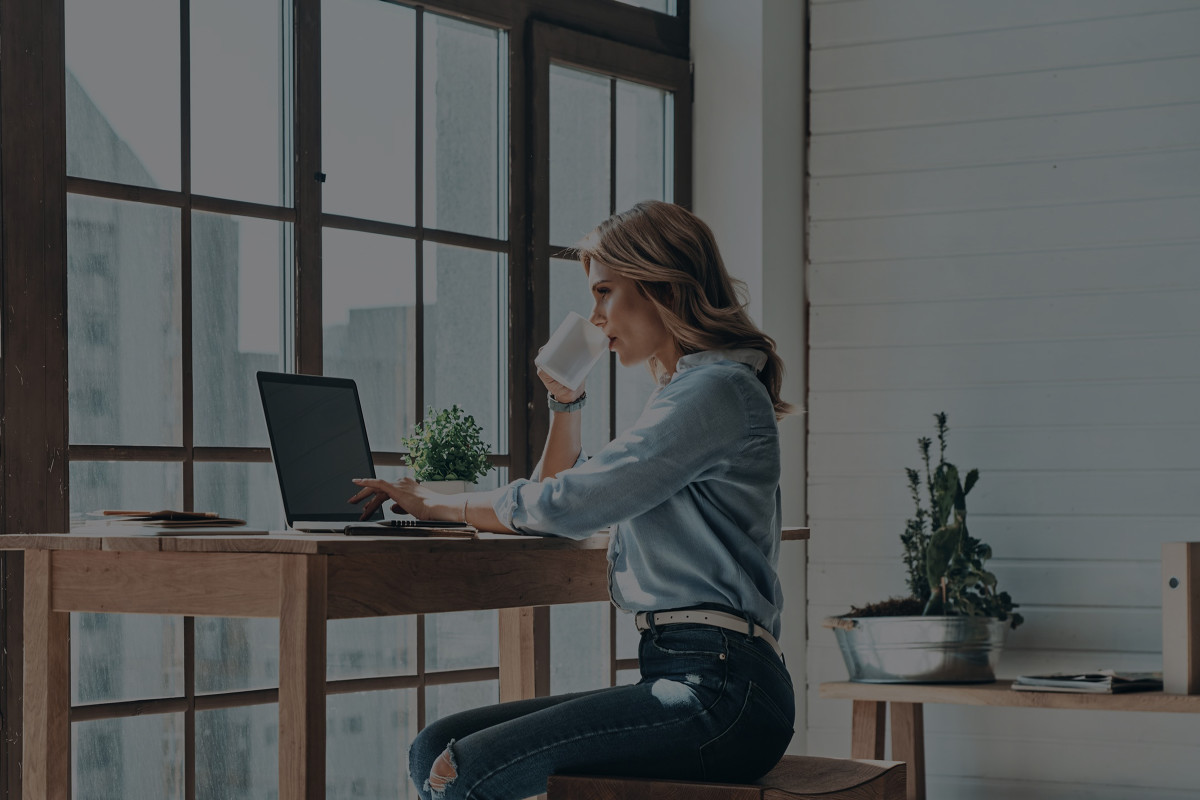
x,y
1181,617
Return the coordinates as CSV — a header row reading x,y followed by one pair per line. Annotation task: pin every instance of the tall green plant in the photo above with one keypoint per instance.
x,y
447,446
945,563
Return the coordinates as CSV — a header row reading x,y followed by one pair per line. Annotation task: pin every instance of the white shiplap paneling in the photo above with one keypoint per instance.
x,y
1005,225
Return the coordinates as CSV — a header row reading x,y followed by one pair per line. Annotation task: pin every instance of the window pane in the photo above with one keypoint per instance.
x,y
465,126
370,648
124,323
368,99
237,752
237,285
236,654
98,485
462,640
366,744
125,657
569,292
579,153
579,651
466,336
238,82
370,325
114,759
442,701
123,112
642,146
243,491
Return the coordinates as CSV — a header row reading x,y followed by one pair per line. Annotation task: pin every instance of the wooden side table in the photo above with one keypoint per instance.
x,y
907,700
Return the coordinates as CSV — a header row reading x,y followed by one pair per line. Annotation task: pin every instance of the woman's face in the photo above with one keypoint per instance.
x,y
635,330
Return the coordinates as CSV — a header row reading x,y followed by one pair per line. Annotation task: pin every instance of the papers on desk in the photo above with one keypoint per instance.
x,y
1105,681
168,518
167,522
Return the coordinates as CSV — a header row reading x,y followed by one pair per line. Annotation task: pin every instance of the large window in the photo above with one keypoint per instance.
x,y
358,188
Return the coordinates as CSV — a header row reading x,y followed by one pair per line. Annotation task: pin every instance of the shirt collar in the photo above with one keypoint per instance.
x,y
755,359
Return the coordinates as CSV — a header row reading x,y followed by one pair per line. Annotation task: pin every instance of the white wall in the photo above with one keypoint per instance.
x,y
749,187
1005,225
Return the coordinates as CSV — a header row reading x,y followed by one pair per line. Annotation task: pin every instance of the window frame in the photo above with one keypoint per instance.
x,y
35,452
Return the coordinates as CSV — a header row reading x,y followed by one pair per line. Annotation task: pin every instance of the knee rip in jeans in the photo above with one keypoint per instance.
x,y
442,773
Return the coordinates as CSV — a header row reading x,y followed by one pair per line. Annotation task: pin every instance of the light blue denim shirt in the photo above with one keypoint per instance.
x,y
691,493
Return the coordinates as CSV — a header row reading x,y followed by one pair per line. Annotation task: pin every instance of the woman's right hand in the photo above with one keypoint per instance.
x,y
561,393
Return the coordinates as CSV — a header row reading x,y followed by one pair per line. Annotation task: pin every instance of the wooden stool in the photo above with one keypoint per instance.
x,y
793,778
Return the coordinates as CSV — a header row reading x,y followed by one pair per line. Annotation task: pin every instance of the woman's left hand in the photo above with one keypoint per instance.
x,y
408,496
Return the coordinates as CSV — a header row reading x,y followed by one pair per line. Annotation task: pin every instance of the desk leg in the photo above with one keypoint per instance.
x,y
867,728
524,653
908,744
302,612
46,772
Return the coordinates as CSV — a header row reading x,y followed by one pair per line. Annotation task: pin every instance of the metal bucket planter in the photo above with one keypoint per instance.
x,y
920,649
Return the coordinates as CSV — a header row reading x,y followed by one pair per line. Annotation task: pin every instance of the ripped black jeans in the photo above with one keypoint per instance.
x,y
712,704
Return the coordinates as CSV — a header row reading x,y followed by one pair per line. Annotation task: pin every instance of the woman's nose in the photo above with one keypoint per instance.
x,y
596,318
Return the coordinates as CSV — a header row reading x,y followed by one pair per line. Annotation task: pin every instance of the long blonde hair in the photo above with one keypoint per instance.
x,y
672,257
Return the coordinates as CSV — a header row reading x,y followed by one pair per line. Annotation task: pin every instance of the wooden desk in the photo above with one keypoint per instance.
x,y
908,726
302,579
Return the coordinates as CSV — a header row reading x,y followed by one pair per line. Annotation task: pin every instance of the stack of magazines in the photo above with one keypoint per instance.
x,y
1105,681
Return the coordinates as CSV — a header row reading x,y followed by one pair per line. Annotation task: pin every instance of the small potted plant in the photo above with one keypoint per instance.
x,y
446,451
951,627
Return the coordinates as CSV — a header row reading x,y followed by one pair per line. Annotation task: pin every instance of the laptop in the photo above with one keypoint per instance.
x,y
319,444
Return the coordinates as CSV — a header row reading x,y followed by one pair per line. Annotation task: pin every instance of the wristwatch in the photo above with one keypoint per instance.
x,y
574,405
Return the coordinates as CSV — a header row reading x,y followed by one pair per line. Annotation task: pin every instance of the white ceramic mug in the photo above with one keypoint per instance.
x,y
572,351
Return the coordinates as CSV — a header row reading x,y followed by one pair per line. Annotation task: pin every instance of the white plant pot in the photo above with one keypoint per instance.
x,y
448,487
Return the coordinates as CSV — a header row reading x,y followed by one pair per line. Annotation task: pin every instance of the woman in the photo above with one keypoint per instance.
x,y
691,493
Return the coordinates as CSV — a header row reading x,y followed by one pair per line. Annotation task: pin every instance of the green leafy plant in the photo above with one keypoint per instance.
x,y
946,573
447,446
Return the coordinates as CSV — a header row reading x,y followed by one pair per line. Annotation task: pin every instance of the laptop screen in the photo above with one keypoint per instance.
x,y
319,443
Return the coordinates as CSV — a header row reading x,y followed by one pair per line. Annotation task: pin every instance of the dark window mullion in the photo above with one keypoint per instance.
x,y
108,190
79,453
125,709
612,209
185,255
237,455
306,263
189,409
419,256
93,187
520,323
106,452
419,220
